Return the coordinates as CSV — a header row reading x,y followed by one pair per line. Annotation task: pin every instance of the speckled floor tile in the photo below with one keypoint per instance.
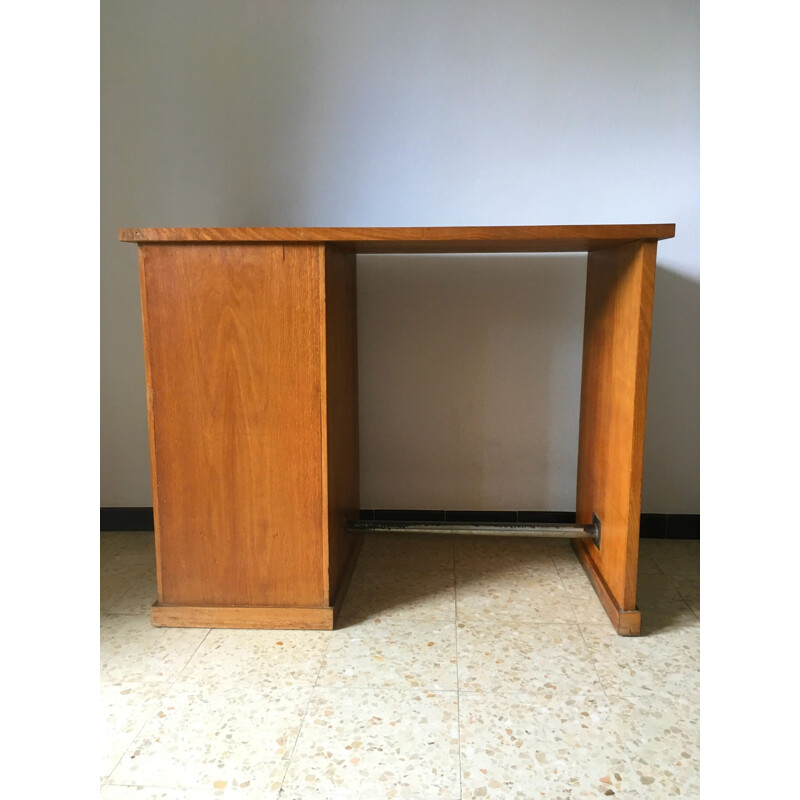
x,y
513,748
677,557
540,660
131,649
374,743
407,551
689,589
127,544
585,603
389,653
124,709
206,738
139,598
117,576
571,569
374,592
662,739
664,662
566,562
669,621
647,565
657,595
532,596
657,598
109,792
493,552
663,607
648,546
560,548
229,657
661,604
232,705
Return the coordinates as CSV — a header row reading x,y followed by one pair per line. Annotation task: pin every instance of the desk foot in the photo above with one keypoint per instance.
x,y
258,617
254,617
626,623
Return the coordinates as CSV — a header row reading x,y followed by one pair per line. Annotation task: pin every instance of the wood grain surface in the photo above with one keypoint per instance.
x,y
467,239
256,617
234,391
340,411
616,350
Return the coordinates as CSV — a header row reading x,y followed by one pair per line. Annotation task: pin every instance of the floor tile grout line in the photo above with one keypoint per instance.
x,y
664,570
681,594
564,587
594,662
580,631
169,685
110,606
194,653
140,579
305,713
135,736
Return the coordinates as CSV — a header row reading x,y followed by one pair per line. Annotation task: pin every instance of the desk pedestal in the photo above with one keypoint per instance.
x,y
251,362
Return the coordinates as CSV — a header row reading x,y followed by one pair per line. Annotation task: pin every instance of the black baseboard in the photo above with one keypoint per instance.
x,y
682,526
652,526
134,518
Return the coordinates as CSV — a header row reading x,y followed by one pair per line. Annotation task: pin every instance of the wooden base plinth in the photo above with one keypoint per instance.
x,y
626,623
260,617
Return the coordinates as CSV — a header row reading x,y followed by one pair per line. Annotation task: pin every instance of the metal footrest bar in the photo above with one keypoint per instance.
x,y
550,530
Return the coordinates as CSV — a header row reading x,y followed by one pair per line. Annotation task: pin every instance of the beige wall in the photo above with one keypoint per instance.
x,y
420,113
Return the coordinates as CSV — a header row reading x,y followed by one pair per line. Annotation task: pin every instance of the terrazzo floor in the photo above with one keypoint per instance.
x,y
462,668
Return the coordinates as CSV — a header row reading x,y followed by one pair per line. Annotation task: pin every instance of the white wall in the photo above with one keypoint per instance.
x,y
359,112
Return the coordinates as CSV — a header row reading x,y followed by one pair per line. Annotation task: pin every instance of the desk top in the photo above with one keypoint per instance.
x,y
473,239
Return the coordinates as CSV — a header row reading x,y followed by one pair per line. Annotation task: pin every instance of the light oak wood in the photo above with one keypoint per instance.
x,y
233,347
473,239
616,349
263,617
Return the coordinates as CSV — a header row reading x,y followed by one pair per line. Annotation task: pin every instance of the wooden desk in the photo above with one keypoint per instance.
x,y
252,390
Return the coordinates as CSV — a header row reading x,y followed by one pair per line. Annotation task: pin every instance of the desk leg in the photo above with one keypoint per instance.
x,y
616,351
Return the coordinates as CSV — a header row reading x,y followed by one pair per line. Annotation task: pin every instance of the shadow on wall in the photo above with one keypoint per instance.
x,y
469,373
671,481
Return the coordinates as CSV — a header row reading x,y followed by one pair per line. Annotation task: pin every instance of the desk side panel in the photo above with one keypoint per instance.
x,y
341,412
233,353
619,308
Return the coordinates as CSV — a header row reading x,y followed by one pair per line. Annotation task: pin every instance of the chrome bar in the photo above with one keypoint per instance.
x,y
521,529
